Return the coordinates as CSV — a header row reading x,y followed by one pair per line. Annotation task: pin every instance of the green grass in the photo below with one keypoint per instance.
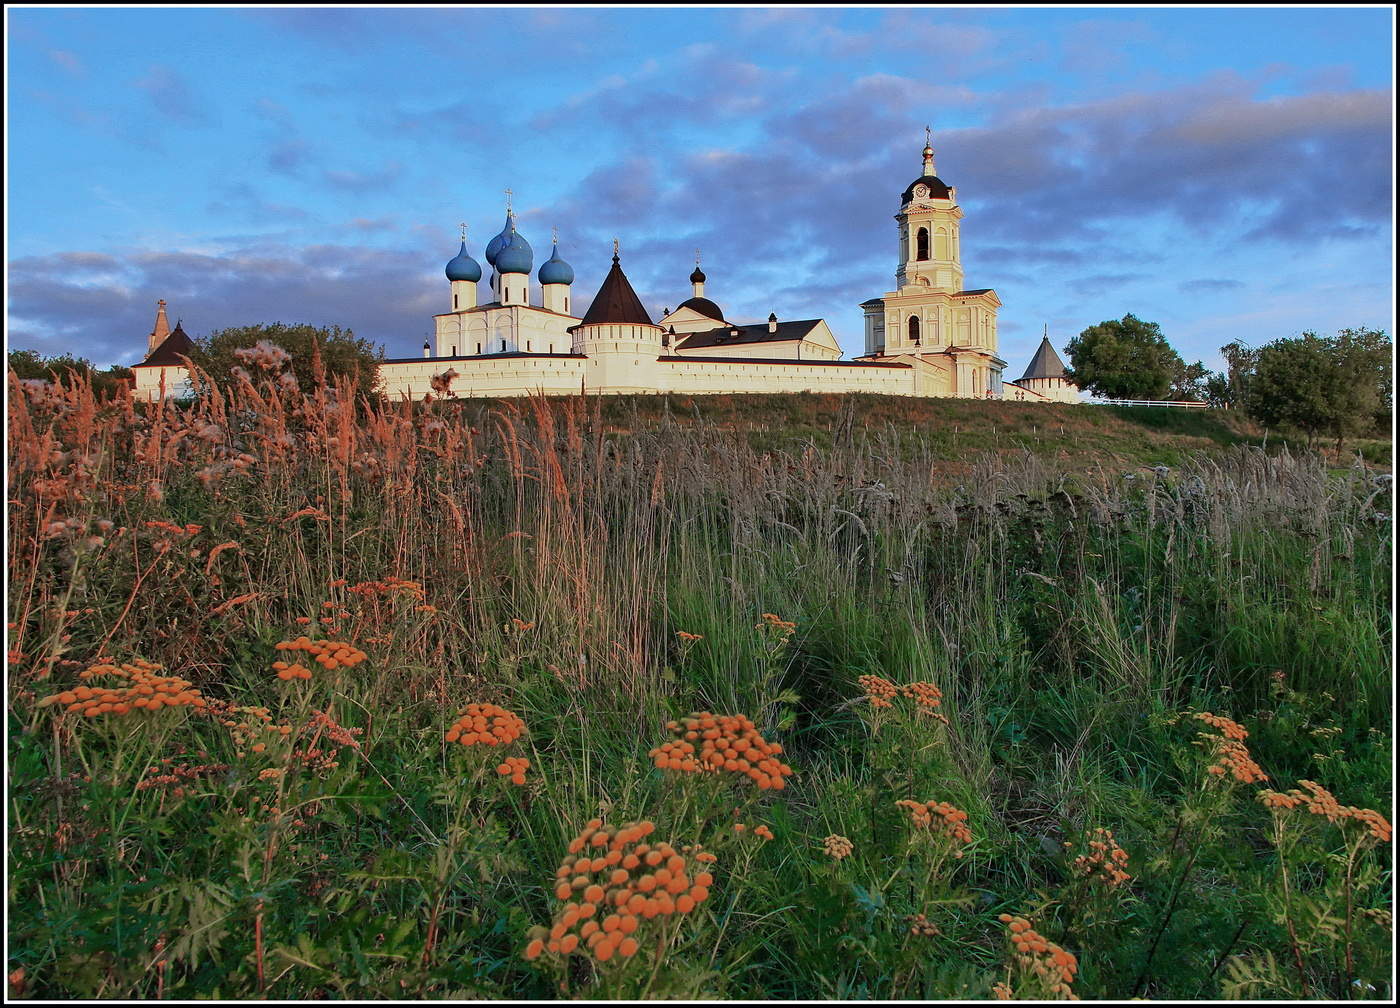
x,y
1073,606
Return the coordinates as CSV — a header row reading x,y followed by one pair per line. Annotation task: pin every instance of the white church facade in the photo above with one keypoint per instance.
x,y
927,337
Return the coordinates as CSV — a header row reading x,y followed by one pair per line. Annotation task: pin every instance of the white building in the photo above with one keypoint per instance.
x,y
927,337
163,373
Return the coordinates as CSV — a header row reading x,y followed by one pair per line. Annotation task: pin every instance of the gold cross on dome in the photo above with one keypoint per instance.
x,y
556,234
615,248
697,257
509,194
463,226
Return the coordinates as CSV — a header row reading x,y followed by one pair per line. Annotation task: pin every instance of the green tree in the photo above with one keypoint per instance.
x,y
1334,386
1131,359
114,381
318,355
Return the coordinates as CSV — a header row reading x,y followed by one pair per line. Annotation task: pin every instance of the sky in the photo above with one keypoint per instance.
x,y
1226,173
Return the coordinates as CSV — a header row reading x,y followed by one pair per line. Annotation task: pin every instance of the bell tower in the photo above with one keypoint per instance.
x,y
929,253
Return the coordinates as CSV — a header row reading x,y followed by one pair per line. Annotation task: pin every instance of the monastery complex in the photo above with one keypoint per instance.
x,y
929,336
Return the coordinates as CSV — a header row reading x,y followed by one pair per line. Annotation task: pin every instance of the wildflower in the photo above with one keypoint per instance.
x,y
688,638
1318,801
147,689
1032,954
763,832
1002,992
838,847
329,654
1105,861
1232,758
939,817
612,885
520,625
880,692
921,927
728,743
486,724
780,628
514,767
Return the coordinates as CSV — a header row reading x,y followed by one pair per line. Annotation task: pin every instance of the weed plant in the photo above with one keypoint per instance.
x,y
1048,731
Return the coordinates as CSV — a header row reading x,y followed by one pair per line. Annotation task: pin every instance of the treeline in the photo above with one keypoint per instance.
x,y
30,364
1320,386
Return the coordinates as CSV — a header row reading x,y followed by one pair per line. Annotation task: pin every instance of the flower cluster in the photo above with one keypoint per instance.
x,y
838,847
1043,959
882,693
486,724
939,817
921,927
728,743
781,629
250,727
611,883
148,688
177,777
761,831
1320,802
689,638
1105,861
1231,756
514,767
330,655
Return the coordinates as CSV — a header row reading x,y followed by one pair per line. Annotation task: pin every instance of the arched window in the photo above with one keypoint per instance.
x,y
922,254
914,330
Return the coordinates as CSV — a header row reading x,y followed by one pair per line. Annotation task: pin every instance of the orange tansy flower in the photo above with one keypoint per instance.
x,y
688,637
1232,757
728,743
147,689
1106,861
1318,801
1033,954
939,817
514,767
606,902
486,724
330,655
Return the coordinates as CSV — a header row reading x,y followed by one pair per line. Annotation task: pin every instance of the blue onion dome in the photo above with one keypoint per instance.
x,y
556,270
464,267
698,276
499,242
515,256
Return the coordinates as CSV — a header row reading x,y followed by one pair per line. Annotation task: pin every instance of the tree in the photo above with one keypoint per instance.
x,y
1335,386
1227,389
1130,359
318,355
114,381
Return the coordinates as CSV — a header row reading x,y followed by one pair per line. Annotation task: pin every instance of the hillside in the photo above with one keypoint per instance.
x,y
953,431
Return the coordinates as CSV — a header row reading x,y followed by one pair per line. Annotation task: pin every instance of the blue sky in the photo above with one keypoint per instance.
x,y
1225,173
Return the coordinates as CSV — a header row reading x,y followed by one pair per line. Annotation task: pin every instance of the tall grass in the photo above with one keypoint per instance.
x,y
1069,616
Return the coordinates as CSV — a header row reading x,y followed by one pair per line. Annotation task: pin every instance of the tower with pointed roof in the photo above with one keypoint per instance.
x,y
163,374
618,337
1045,374
950,331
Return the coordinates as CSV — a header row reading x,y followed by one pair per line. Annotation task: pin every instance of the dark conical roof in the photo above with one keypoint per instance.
x,y
1045,364
178,344
616,302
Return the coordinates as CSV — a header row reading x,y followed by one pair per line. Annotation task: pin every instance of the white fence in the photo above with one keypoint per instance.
x,y
1143,402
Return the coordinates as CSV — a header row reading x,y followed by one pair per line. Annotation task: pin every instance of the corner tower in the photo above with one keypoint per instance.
x,y
618,337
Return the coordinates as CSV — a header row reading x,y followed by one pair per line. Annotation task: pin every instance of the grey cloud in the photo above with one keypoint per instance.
x,y
363,181
172,96
386,296
1208,285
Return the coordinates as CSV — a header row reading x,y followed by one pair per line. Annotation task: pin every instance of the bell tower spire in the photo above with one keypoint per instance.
x,y
161,330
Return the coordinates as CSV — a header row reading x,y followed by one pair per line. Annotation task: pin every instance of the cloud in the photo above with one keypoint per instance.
x,y
171,96
363,181
1208,285
68,61
104,304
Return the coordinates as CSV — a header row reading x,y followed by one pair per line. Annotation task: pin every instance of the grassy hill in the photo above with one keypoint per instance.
x,y
953,431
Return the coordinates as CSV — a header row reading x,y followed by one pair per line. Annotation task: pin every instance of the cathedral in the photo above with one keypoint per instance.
x,y
927,337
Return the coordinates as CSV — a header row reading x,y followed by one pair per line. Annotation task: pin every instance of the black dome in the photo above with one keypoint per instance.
x,y
937,188
704,306
697,276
